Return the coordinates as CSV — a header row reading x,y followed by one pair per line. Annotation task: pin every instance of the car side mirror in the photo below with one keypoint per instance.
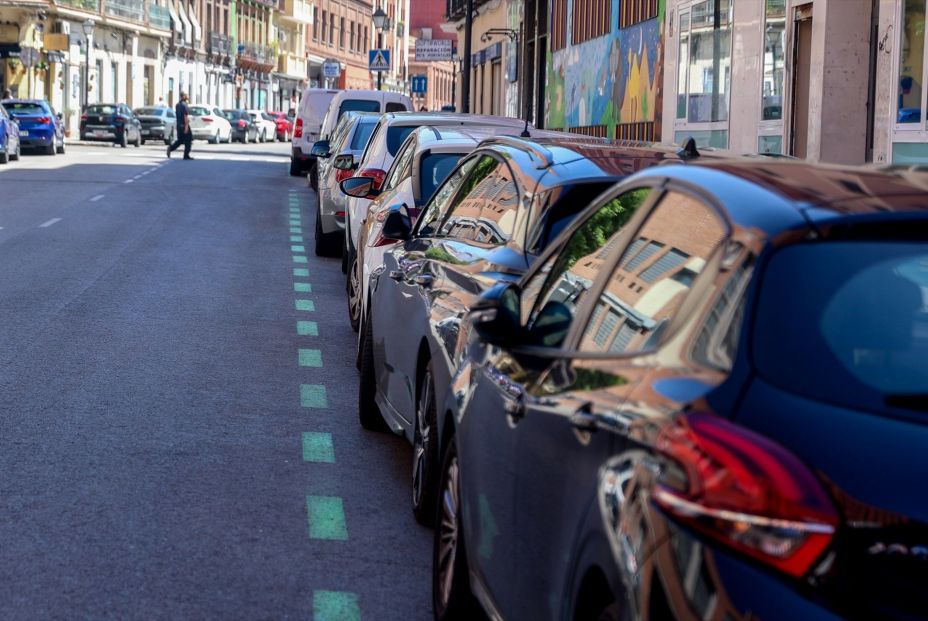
x,y
398,224
359,187
320,149
495,315
345,161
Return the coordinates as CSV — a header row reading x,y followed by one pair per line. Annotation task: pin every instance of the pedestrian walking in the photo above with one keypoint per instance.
x,y
7,94
185,134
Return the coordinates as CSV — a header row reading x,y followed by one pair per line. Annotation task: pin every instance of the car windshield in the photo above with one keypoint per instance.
x,y
150,111
362,134
23,107
198,111
396,136
234,114
846,322
101,109
359,105
433,169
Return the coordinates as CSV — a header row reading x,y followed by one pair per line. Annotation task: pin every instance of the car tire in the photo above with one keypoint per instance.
x,y
123,140
5,156
138,140
60,148
354,293
50,149
170,139
452,599
425,452
295,169
214,139
19,152
327,244
368,413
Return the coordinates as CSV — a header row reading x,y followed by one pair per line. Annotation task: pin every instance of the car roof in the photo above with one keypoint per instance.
x,y
430,135
450,118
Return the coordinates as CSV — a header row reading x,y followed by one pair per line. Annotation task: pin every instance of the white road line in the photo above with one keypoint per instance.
x,y
49,223
128,180
96,198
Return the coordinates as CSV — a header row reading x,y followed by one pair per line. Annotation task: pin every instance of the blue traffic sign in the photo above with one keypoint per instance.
x,y
418,84
378,60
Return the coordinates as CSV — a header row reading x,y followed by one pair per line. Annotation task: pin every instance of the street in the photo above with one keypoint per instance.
x,y
178,400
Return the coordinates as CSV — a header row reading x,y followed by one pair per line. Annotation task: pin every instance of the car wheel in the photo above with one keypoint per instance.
x,y
452,598
354,293
60,148
295,169
424,453
327,245
19,151
5,156
263,135
214,139
50,149
170,139
138,140
123,140
368,412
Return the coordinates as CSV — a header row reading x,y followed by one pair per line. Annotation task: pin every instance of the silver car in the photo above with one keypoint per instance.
x,y
338,162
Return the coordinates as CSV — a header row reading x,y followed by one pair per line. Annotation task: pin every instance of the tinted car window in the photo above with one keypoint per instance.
x,y
567,274
150,111
198,111
24,107
846,322
441,202
402,166
464,218
642,296
433,169
393,106
362,134
101,109
361,105
396,136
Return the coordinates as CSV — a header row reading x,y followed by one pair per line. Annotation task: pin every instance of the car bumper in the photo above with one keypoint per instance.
x,y
203,134
36,137
155,132
100,133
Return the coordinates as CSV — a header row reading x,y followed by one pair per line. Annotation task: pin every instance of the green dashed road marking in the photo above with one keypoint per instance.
x,y
326,518
317,447
300,271
296,238
310,357
307,328
335,606
312,396
305,305
298,258
297,249
295,229
302,287
294,221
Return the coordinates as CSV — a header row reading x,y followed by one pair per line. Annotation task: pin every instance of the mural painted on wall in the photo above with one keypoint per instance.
x,y
584,91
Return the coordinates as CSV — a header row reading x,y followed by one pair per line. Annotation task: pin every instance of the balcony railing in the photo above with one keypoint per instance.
x,y
86,5
258,53
296,9
159,17
220,44
127,9
291,64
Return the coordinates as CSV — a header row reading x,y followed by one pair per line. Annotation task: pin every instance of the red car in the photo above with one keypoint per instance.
x,y
284,126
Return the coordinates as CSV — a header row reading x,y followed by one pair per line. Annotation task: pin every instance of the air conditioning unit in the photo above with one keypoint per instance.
x,y
61,28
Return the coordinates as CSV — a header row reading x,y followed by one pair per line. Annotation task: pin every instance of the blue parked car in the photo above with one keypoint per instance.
x,y
9,137
39,126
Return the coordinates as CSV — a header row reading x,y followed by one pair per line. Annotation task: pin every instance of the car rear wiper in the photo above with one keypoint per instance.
x,y
912,401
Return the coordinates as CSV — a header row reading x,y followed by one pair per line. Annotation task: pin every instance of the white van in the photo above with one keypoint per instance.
x,y
342,101
306,127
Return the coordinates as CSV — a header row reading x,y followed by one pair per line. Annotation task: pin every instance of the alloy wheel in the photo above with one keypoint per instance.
x,y
424,440
354,293
448,532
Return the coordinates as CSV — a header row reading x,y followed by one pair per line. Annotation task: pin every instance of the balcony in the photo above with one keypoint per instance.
x,y
133,10
84,5
292,65
298,11
159,17
220,44
257,54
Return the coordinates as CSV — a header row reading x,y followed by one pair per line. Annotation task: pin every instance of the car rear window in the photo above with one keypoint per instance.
x,y
101,109
433,169
24,107
198,111
149,111
393,106
362,134
234,114
847,323
396,136
358,105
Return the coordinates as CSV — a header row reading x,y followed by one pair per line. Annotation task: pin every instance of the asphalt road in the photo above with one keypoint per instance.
x,y
178,420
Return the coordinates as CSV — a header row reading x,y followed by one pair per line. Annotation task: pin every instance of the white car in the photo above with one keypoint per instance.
x,y
267,130
209,123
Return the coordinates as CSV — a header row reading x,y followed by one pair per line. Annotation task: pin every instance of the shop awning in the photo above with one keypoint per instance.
x,y
197,31
178,25
10,50
188,28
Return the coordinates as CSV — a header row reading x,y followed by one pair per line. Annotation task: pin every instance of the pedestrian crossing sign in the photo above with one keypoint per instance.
x,y
378,60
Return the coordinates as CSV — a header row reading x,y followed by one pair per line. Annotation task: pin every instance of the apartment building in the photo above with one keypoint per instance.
x,y
341,30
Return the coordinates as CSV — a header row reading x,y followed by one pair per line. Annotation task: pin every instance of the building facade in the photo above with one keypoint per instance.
x,y
341,30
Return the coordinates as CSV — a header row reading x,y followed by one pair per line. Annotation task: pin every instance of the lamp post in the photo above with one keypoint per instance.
x,y
87,27
380,20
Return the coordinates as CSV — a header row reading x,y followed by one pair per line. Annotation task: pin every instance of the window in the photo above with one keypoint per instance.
x,y
351,38
315,27
402,166
395,106
331,28
430,220
632,12
774,61
341,32
681,231
325,28
362,134
433,169
592,19
912,64
568,273
558,24
485,208
702,82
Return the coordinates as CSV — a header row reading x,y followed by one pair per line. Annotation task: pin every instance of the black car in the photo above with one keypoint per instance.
x,y
487,223
158,123
244,126
40,127
707,400
112,122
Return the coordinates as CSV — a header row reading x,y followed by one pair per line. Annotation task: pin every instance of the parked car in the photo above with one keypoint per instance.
x,y
158,123
210,124
284,124
112,122
267,127
39,126
244,127
9,136
382,147
306,128
708,406
338,159
494,214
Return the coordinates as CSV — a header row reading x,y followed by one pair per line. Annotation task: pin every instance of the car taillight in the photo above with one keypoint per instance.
x,y
341,175
43,120
120,118
376,174
744,491
83,117
207,119
242,124
298,130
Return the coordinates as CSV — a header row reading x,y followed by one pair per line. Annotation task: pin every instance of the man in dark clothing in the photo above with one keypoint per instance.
x,y
184,133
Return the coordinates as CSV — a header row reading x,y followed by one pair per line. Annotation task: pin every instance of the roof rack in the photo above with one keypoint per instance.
x,y
543,157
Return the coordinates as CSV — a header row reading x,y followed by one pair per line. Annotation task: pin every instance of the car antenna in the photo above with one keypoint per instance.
x,y
525,133
689,150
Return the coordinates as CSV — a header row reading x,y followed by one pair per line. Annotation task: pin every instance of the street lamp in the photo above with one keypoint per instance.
x,y
87,27
380,21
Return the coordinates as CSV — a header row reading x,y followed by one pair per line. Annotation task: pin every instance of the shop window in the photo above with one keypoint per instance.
x,y
774,60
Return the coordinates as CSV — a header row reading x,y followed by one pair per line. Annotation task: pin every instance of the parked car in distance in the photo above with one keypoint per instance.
x,y
487,223
306,128
210,124
9,137
158,123
267,127
659,416
39,126
112,122
337,160
243,125
284,124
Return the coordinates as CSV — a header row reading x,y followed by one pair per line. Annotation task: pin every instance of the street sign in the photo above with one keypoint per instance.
x,y
428,50
331,68
378,60
418,84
